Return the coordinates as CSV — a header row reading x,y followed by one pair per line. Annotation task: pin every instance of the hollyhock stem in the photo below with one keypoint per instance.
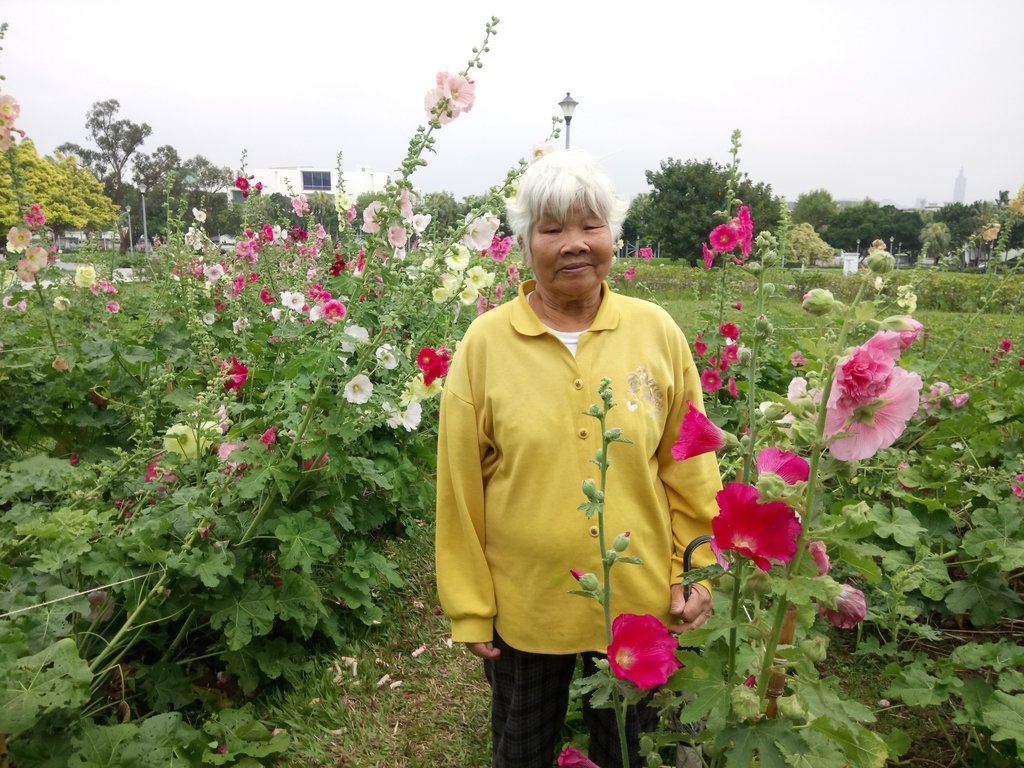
x,y
46,315
734,612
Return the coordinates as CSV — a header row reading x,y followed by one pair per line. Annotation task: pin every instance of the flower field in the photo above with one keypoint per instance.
x,y
206,473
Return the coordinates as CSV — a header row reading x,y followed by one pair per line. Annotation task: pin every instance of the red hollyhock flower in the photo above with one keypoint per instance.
x,y
433,362
786,464
697,435
758,531
571,757
1005,345
729,330
642,650
699,346
237,374
266,296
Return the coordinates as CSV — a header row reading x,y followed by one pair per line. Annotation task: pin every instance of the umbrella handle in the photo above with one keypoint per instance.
x,y
688,555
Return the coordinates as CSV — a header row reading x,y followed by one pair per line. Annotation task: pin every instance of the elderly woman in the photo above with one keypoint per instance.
x,y
515,445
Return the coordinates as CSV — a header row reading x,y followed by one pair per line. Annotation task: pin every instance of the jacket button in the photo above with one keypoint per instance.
x,y
578,383
583,433
594,530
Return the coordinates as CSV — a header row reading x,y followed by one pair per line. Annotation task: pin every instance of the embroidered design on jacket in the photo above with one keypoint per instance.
x,y
645,389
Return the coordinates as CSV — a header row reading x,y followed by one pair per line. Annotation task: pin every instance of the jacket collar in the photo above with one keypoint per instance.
x,y
527,323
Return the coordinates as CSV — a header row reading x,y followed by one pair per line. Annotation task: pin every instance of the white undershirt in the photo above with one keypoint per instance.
x,y
571,339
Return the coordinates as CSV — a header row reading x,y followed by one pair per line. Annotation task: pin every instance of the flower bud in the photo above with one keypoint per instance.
x,y
814,648
881,262
589,582
764,326
769,289
771,411
791,708
771,486
856,513
804,433
759,582
744,356
745,703
899,323
589,488
621,542
819,301
613,434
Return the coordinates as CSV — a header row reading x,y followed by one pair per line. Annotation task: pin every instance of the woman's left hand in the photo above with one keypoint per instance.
x,y
690,613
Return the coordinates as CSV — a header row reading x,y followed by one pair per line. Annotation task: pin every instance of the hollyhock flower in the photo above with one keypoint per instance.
x,y
370,223
480,231
478,278
711,380
269,437
787,465
629,274
213,272
199,216
709,256
729,330
266,296
189,440
224,451
300,205
745,226
724,238
645,253
237,374
61,303
404,204
333,311
74,460
699,346
34,216
420,222
731,387
412,416
1005,345
866,372
294,300
570,757
359,389
874,424
762,532
385,355
18,239
738,306
460,91
397,235
797,359
85,276
820,555
851,608
433,362
642,650
353,335
113,307
960,400
242,183
697,435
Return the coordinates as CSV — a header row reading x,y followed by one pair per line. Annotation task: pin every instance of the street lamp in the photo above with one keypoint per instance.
x,y
128,211
145,231
568,104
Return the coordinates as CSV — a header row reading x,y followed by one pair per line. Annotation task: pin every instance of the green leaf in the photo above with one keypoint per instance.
x,y
1004,714
242,612
167,686
863,748
997,537
300,600
986,598
247,736
204,562
913,685
305,541
804,589
742,743
896,523
823,698
55,678
995,656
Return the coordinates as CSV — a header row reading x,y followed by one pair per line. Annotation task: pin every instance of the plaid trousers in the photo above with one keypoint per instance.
x,y
529,699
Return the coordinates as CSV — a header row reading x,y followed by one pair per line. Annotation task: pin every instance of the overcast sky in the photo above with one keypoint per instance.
x,y
866,98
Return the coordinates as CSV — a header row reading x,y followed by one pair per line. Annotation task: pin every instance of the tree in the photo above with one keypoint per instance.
x,y
70,196
961,221
815,208
445,213
116,141
684,199
870,221
807,247
935,240
637,223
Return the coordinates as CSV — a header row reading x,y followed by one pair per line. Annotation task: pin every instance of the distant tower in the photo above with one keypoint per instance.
x,y
960,187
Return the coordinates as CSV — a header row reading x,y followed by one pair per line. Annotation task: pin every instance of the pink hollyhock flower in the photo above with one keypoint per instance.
x,y
224,451
433,362
762,532
34,216
960,400
699,346
237,374
73,459
745,225
300,205
570,757
862,376
910,335
873,424
645,253
370,223
333,311
113,307
1018,492
697,435
397,235
820,555
405,204
729,330
787,465
724,238
851,608
797,359
711,380
1005,345
269,437
731,387
709,256
629,274
267,297
642,650
460,91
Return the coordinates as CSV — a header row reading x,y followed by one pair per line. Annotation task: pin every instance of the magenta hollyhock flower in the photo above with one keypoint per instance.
x,y
333,311
699,346
629,274
866,372
711,380
642,650
236,375
732,387
851,608
433,363
738,306
645,253
697,435
787,465
709,256
820,555
729,330
762,532
269,437
267,297
1005,345
874,424
570,757
745,225
724,238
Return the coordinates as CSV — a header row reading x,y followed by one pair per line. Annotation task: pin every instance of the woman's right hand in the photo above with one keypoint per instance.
x,y
485,651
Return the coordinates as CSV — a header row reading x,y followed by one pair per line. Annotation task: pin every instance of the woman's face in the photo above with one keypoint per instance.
x,y
571,258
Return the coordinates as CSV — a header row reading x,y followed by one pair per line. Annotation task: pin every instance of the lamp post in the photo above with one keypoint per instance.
x,y
145,231
131,245
568,104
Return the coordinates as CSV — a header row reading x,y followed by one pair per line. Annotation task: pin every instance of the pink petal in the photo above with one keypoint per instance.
x,y
786,464
697,435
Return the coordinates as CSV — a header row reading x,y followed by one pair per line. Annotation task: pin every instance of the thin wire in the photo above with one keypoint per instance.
x,y
68,597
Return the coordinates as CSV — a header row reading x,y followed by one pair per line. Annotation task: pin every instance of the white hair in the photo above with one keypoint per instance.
x,y
557,182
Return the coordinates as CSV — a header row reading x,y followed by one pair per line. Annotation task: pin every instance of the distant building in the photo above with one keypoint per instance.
x,y
960,187
306,180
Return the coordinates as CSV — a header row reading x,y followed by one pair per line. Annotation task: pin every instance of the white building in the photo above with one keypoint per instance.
x,y
306,180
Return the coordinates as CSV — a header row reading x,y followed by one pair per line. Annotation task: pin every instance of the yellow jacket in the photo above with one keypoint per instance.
x,y
516,444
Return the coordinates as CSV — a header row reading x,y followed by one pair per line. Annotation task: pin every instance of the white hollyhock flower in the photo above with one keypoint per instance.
x,y
359,389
